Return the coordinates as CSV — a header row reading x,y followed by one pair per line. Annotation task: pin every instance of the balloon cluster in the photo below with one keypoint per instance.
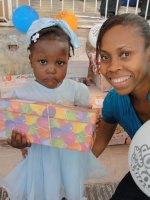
x,y
24,15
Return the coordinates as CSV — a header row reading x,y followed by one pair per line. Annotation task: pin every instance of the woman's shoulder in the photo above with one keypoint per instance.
x,y
114,98
113,106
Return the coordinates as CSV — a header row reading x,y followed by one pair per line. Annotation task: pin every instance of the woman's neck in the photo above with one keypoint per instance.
x,y
140,101
141,92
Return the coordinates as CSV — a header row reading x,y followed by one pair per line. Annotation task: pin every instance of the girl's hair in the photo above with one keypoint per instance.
x,y
53,32
125,20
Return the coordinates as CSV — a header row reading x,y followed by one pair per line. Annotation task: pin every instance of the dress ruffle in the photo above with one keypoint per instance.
x,y
51,173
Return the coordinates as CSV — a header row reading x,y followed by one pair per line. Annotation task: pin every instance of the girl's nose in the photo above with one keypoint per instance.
x,y
51,69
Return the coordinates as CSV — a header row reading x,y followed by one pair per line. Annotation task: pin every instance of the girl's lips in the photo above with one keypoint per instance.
x,y
50,79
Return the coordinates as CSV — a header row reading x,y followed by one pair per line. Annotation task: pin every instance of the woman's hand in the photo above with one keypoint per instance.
x,y
18,140
98,120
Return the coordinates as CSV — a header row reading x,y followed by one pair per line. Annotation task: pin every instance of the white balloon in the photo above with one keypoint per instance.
x,y
93,34
139,158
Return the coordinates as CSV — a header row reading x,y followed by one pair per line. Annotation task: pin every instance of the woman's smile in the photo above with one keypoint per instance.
x,y
120,81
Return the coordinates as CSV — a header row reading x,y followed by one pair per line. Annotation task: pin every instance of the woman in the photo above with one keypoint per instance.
x,y
124,48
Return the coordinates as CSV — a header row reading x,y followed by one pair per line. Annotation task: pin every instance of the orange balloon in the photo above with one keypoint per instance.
x,y
68,17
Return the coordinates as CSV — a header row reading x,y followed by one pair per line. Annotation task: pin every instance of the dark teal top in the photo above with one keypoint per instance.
x,y
119,109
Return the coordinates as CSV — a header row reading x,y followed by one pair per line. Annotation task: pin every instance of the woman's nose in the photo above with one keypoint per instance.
x,y
114,65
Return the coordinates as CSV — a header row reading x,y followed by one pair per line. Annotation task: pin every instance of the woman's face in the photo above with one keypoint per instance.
x,y
124,60
49,60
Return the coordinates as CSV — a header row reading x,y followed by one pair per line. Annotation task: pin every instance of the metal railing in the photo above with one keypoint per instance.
x,y
83,9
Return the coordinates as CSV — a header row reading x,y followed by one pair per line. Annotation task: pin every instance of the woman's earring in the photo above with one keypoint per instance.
x,y
148,96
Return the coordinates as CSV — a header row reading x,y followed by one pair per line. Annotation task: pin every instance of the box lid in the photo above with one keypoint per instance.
x,y
70,113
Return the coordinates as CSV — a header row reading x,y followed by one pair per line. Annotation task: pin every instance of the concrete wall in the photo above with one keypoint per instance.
x,y
14,56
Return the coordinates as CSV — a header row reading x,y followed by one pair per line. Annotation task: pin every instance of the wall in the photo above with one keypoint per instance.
x,y
14,56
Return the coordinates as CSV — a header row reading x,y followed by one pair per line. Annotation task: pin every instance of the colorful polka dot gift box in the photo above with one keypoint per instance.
x,y
48,124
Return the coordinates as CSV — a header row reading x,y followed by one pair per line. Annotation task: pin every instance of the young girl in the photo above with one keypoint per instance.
x,y
124,48
46,171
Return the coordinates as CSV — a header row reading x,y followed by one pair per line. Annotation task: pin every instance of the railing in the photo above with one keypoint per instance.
x,y
83,9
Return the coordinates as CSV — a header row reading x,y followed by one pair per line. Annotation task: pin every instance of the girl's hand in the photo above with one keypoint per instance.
x,y
18,140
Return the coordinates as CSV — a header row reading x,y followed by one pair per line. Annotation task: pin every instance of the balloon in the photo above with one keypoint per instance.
x,y
23,16
139,158
93,34
68,17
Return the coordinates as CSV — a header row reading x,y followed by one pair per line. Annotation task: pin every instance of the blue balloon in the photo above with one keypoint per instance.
x,y
23,16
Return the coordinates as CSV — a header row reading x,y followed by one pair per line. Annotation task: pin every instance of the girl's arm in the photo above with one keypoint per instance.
x,y
103,135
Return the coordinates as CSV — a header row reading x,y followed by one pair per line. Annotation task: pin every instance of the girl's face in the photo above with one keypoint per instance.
x,y
124,60
49,60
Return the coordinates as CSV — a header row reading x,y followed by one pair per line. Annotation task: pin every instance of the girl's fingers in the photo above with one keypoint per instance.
x,y
9,141
18,140
24,152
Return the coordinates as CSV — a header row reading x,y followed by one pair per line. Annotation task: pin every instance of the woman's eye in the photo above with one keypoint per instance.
x,y
43,62
125,54
105,58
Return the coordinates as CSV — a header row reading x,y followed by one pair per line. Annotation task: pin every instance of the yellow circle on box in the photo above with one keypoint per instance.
x,y
68,17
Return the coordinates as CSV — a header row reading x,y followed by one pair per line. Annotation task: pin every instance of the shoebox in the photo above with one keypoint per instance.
x,y
68,127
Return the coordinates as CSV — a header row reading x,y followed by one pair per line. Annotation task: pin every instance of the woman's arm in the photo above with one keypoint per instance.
x,y
103,135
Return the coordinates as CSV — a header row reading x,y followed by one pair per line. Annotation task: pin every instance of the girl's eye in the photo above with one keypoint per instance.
x,y
60,62
105,58
125,54
43,62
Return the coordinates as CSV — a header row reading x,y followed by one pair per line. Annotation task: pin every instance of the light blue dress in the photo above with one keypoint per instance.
x,y
50,173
